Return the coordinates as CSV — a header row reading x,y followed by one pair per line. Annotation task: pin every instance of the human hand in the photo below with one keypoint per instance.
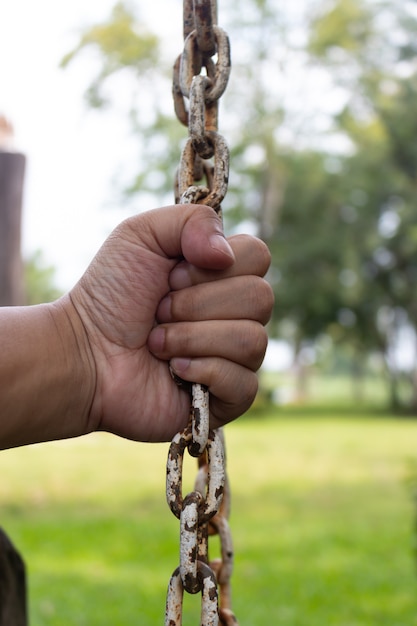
x,y
141,306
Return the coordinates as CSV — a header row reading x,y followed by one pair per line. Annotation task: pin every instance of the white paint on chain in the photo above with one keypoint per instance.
x,y
201,403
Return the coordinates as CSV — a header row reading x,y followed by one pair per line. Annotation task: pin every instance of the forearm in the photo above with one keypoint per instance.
x,y
46,374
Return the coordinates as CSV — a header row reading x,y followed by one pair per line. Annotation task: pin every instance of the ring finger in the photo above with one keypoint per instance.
x,y
241,341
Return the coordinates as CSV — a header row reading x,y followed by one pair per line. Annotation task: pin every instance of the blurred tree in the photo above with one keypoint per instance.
x,y
39,279
324,156
131,76
122,43
380,71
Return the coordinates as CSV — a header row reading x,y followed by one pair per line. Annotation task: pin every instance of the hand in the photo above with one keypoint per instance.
x,y
142,305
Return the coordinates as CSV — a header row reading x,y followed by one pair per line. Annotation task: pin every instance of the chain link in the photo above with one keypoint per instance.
x,y
199,81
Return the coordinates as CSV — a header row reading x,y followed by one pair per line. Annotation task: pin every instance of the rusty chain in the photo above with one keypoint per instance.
x,y
200,77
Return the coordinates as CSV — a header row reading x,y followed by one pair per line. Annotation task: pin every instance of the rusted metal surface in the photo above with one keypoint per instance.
x,y
189,542
188,17
205,16
209,196
199,80
227,618
209,603
223,566
173,608
211,501
200,421
209,600
179,101
218,72
197,121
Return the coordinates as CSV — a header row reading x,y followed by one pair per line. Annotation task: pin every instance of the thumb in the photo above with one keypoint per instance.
x,y
192,231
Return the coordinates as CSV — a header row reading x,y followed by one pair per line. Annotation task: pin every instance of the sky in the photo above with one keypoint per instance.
x,y
72,152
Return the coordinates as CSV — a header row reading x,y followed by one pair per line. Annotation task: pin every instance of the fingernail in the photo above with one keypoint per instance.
x,y
180,365
220,243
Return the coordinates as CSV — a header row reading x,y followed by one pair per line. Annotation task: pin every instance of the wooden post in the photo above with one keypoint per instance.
x,y
12,172
13,604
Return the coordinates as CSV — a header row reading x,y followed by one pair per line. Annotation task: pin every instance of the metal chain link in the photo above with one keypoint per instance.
x,y
199,80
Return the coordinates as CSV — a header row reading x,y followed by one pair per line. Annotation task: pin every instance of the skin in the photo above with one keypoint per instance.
x,y
166,287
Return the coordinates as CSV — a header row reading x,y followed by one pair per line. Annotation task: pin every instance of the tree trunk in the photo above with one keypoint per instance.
x,y
414,379
395,402
301,373
358,377
12,171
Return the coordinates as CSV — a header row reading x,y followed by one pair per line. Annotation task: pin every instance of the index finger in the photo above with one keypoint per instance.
x,y
252,259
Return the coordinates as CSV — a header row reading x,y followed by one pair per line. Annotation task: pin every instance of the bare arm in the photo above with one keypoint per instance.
x,y
46,374
165,286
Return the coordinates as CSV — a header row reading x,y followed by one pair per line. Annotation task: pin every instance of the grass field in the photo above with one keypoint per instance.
x,y
322,519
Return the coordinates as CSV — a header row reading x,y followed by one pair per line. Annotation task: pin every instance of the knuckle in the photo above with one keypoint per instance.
x,y
184,305
239,389
176,306
246,391
264,256
260,254
256,343
269,300
177,339
250,389
262,344
255,249
264,300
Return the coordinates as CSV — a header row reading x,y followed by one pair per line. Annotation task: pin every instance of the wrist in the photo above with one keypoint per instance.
x,y
47,374
78,371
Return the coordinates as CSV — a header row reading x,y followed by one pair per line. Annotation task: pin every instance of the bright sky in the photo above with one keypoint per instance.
x,y
72,152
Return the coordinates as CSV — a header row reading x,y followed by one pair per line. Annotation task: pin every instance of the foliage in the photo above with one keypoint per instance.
x,y
121,43
313,524
326,177
344,25
39,280
379,120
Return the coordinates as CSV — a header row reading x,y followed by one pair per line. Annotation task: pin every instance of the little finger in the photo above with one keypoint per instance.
x,y
232,387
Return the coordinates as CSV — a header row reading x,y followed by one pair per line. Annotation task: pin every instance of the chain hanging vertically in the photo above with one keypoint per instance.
x,y
201,74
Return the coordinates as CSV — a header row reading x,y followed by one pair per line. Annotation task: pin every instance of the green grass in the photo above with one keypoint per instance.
x,y
322,521
324,390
